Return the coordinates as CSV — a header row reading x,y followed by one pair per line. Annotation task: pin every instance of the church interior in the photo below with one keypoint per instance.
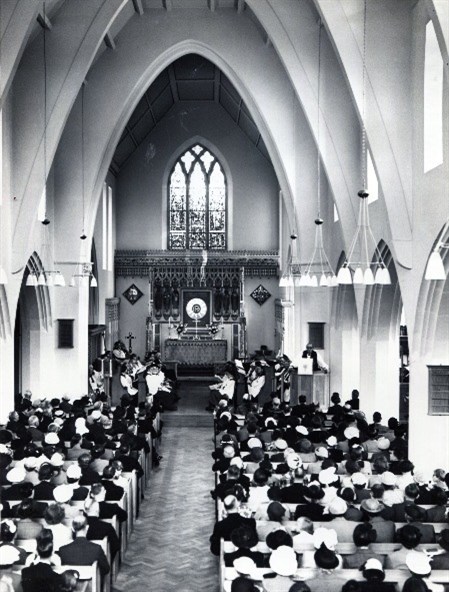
x,y
213,182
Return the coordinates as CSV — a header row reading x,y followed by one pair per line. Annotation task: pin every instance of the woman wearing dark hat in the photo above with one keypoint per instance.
x,y
312,508
327,578
364,535
245,539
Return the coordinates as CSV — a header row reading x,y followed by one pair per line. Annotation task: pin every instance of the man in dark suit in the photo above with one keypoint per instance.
x,y
98,529
83,551
129,462
113,492
224,528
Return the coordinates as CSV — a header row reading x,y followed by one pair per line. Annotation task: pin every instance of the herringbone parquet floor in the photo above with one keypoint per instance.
x,y
169,548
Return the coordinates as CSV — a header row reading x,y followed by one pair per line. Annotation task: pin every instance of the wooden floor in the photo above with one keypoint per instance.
x,y
169,548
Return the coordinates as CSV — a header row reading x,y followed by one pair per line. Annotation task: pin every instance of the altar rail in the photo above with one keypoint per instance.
x,y
204,352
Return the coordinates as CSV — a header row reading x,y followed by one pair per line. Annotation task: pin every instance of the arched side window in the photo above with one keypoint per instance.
x,y
197,199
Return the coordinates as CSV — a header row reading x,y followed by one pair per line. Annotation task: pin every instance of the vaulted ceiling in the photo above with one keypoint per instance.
x,y
190,78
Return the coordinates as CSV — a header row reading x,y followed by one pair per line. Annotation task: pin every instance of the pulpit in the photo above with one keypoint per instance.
x,y
191,352
314,386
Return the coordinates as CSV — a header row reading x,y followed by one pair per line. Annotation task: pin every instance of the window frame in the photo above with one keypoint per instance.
x,y
187,175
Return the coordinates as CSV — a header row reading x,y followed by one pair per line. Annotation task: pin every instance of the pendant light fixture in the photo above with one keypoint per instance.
x,y
45,277
360,271
83,275
318,271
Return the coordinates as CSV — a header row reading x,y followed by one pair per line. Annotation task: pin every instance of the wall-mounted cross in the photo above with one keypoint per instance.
x,y
130,337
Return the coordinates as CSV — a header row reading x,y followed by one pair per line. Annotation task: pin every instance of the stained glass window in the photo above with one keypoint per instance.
x,y
197,202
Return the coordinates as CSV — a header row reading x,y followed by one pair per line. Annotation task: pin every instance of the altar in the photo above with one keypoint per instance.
x,y
191,352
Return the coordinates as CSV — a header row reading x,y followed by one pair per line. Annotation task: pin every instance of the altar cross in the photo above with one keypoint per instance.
x,y
130,337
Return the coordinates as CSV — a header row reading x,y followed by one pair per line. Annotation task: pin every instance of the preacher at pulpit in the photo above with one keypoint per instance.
x,y
318,362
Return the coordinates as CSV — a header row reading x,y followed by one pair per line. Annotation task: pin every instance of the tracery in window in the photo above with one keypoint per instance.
x,y
197,202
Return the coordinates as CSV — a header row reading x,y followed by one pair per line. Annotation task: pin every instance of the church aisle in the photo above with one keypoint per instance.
x,y
169,548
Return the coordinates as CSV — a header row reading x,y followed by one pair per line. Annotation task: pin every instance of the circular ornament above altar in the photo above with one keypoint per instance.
x,y
196,308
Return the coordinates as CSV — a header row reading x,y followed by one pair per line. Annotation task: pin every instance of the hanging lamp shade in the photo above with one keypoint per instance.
x,y
368,277
72,283
334,281
3,277
313,281
31,280
93,282
59,279
323,280
344,275
41,280
435,267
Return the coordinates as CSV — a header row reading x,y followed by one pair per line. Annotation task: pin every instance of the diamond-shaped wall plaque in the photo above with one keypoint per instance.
x,y
133,294
260,294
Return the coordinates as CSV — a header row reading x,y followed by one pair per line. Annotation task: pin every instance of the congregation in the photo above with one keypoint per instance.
x,y
312,499
73,475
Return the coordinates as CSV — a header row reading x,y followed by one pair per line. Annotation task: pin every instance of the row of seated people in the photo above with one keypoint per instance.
x,y
71,472
326,498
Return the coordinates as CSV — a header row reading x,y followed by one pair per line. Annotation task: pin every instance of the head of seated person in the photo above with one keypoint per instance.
x,y
260,478
79,526
279,538
406,466
54,514
84,460
231,504
97,492
8,531
69,580
364,534
380,465
276,511
44,543
25,509
409,536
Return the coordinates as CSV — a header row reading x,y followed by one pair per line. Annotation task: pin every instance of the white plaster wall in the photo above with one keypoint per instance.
x,y
142,182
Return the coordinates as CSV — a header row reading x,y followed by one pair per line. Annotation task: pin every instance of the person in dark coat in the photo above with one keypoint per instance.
x,y
130,463
40,576
441,561
113,492
223,529
98,529
44,489
82,551
89,476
